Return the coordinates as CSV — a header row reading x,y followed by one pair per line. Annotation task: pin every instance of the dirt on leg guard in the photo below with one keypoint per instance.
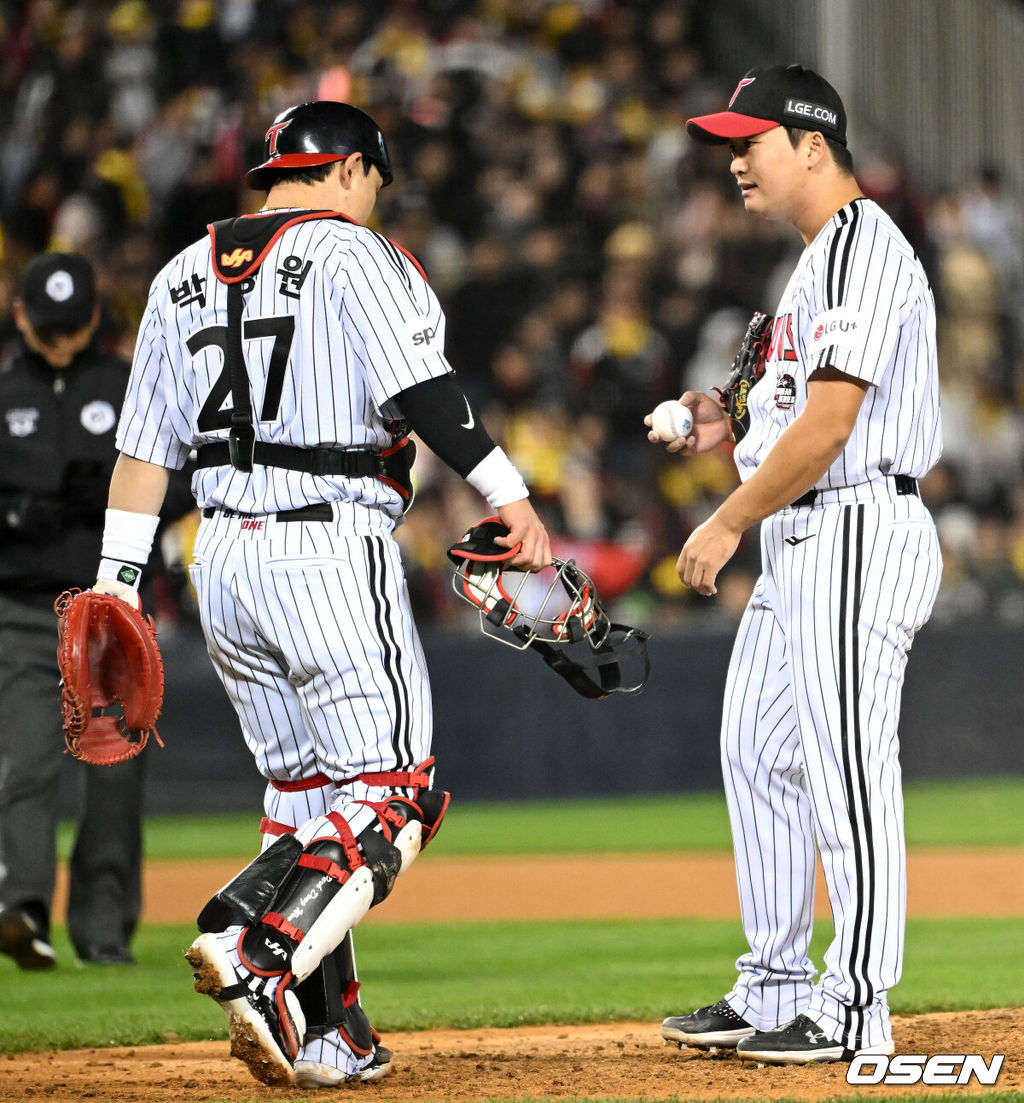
x,y
328,892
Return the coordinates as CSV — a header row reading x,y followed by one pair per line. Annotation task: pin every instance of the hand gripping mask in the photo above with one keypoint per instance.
x,y
556,611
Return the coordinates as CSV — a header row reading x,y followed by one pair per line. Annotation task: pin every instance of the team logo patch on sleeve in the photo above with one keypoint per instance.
x,y
785,392
841,326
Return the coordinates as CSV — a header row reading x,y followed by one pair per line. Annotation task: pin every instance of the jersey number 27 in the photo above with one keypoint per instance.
x,y
282,329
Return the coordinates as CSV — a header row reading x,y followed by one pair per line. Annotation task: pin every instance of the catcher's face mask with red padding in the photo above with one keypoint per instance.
x,y
557,611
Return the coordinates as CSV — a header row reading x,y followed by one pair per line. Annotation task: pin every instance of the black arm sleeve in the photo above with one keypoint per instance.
x,y
440,414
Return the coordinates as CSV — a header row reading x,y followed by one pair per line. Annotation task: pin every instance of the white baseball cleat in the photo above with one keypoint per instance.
x,y
265,1021
325,1061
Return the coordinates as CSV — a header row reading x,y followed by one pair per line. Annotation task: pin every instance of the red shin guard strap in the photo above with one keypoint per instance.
x,y
279,923
324,865
348,840
274,827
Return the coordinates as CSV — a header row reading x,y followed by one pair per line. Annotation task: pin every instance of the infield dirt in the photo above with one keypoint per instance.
x,y
610,1060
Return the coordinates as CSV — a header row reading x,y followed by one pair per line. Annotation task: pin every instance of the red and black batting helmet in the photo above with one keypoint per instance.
x,y
318,133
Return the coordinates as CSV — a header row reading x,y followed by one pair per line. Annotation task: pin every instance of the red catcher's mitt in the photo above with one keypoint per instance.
x,y
107,653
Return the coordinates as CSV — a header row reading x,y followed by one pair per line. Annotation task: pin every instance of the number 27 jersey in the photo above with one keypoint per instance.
x,y
336,321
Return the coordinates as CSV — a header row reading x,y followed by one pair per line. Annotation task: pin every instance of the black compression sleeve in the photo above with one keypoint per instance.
x,y
440,414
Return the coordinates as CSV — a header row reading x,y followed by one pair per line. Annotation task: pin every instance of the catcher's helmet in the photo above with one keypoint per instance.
x,y
557,611
317,133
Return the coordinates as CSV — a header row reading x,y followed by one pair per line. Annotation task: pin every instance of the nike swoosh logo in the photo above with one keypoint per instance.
x,y
794,540
471,422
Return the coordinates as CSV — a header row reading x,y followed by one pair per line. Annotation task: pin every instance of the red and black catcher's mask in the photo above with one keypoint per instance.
x,y
556,611
318,133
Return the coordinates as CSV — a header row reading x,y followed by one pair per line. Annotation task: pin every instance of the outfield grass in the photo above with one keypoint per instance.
x,y
973,813
487,974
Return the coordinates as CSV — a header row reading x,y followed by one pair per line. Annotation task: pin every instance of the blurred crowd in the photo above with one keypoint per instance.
x,y
591,260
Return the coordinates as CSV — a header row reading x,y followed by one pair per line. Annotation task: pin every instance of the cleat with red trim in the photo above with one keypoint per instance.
x,y
265,1021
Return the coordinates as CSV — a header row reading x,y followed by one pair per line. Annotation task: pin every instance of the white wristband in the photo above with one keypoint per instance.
x,y
497,479
128,537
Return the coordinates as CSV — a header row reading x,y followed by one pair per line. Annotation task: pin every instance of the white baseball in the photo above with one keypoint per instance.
x,y
671,420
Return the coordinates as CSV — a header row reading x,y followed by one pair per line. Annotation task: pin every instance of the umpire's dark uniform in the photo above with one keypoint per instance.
x,y
56,457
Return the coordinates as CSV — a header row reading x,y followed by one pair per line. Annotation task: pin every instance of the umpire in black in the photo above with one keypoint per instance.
x,y
60,395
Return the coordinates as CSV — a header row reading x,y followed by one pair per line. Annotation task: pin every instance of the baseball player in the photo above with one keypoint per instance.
x,y
831,443
288,348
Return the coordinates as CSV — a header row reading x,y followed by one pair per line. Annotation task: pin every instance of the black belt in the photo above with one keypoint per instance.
x,y
905,484
351,463
322,511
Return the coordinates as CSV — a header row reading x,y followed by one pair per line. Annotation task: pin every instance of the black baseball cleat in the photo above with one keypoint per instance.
x,y
714,1027
801,1042
22,939
265,1021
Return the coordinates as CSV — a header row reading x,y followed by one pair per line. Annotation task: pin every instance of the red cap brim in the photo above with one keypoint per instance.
x,y
715,130
254,177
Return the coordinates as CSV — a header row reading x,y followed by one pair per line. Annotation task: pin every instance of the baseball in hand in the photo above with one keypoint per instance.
x,y
671,420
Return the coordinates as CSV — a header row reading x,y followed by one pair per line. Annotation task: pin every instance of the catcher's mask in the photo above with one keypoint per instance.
x,y
556,611
318,133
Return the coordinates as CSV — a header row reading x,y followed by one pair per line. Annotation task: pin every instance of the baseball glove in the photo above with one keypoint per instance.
x,y
747,368
107,653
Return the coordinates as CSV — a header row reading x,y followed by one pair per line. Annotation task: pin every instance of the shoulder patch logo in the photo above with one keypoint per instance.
x,y
235,259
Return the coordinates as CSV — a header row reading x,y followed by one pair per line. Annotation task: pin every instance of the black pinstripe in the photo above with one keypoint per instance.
x,y
401,742
853,753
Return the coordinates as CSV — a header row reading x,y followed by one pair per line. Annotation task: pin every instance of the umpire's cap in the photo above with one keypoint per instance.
x,y
781,95
318,133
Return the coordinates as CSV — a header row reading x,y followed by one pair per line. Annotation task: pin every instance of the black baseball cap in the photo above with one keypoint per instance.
x,y
781,95
58,291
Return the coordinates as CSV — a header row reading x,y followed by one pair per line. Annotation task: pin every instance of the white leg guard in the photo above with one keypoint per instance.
x,y
346,909
408,842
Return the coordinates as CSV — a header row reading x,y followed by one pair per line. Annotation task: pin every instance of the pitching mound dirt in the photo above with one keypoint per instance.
x,y
618,1060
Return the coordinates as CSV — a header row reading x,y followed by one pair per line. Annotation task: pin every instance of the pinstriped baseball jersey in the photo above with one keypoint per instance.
x,y
337,321
859,301
810,747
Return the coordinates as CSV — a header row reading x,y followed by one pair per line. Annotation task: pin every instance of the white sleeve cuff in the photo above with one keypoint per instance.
x,y
497,479
128,537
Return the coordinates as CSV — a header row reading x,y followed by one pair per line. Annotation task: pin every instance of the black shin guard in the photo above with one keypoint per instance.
x,y
249,895
330,999
320,873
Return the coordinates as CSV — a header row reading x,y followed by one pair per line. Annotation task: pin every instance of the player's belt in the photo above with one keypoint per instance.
x,y
905,484
351,463
322,511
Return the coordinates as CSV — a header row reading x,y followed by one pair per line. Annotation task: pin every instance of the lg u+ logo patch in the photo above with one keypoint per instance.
x,y
911,1068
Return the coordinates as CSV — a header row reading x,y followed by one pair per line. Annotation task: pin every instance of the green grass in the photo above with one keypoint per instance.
x,y
479,974
973,813
504,974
